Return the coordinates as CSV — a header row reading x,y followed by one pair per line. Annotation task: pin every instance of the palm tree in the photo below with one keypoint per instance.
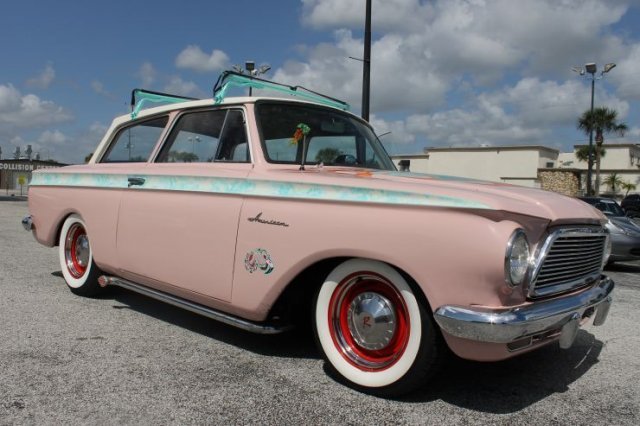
x,y
601,120
628,186
582,153
613,180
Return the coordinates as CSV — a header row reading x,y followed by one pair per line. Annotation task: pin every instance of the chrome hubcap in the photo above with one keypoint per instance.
x,y
371,320
82,250
77,251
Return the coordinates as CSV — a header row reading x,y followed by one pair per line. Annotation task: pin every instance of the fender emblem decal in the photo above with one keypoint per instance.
x,y
259,219
258,259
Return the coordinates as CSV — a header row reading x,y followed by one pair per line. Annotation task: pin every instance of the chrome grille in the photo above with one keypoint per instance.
x,y
569,258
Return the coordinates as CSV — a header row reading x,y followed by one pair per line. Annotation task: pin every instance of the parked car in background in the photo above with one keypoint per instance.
x,y
625,233
631,205
257,211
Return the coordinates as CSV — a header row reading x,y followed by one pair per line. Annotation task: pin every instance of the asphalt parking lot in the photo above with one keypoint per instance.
x,y
124,359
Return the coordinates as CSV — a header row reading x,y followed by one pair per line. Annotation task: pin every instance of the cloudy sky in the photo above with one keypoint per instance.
x,y
444,72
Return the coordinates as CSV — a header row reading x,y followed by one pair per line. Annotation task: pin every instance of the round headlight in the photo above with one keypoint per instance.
x,y
516,258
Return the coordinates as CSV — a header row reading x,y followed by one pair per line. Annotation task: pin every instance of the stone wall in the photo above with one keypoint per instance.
x,y
563,181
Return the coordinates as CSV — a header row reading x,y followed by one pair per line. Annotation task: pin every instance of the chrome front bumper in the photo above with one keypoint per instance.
x,y
539,320
27,223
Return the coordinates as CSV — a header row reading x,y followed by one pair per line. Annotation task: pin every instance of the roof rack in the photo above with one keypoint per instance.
x,y
231,78
141,96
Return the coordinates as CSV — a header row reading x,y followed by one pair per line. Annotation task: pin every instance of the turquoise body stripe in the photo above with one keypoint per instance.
x,y
253,188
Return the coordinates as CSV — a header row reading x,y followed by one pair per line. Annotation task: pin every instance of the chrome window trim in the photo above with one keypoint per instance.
x,y
542,252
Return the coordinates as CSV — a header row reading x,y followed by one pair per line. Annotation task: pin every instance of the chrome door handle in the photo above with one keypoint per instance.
x,y
135,180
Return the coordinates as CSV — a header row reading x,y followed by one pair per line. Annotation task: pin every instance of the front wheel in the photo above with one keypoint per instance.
x,y
373,331
76,258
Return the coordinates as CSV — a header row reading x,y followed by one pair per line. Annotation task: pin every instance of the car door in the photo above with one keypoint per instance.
x,y
178,222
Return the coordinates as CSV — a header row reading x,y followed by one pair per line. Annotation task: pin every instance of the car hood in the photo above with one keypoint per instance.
x,y
625,223
454,192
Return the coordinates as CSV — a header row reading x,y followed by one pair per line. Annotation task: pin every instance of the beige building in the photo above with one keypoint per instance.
x,y
532,166
15,175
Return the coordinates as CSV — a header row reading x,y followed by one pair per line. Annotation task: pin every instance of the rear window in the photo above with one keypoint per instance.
x,y
134,143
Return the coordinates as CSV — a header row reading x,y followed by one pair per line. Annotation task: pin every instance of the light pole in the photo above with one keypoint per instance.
x,y
592,68
366,62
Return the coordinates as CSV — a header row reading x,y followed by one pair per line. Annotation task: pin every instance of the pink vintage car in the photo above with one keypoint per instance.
x,y
256,211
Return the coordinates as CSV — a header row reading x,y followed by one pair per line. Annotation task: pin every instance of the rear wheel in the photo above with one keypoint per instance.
x,y
76,259
373,331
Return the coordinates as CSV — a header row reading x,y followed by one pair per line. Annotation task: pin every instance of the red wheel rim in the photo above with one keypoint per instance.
x,y
369,321
77,252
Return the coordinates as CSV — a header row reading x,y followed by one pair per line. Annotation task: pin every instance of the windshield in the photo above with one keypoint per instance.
x,y
608,207
330,137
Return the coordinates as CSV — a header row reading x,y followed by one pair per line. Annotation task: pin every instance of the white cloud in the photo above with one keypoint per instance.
x,y
52,137
488,124
550,102
625,75
69,148
147,74
483,37
464,72
28,111
10,98
44,79
178,86
99,88
98,129
193,58
395,86
408,15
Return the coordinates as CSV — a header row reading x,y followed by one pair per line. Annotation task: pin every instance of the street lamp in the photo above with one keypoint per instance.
x,y
250,68
592,68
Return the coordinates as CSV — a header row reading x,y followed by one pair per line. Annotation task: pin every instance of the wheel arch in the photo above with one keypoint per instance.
x,y
304,286
60,223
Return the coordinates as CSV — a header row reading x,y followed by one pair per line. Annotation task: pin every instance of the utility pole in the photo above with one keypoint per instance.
x,y
366,63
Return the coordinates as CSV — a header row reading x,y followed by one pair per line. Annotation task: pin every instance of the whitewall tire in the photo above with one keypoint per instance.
x,y
373,331
76,258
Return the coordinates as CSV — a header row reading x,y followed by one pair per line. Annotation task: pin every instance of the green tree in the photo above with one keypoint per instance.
x,y
628,186
327,155
582,153
602,121
182,157
613,180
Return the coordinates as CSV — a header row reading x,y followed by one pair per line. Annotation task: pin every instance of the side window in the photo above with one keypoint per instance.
x,y
281,149
194,139
233,145
135,143
207,136
372,159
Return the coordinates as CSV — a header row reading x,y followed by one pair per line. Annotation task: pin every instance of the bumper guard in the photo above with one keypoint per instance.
x,y
563,315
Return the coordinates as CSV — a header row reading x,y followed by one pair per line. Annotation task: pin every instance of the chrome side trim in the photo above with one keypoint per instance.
x,y
194,307
508,325
27,223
